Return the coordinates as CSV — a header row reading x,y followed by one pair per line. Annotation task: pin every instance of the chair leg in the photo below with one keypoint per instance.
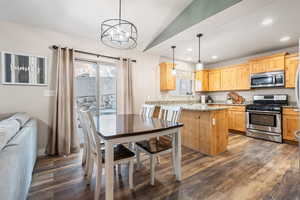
x,y
90,170
138,159
119,169
130,174
87,163
98,180
84,154
152,165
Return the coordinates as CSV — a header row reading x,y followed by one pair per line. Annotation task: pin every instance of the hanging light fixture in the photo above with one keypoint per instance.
x,y
119,33
173,69
199,65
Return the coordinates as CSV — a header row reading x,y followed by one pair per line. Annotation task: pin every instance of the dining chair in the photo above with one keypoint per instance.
x,y
147,110
86,148
85,151
97,153
158,146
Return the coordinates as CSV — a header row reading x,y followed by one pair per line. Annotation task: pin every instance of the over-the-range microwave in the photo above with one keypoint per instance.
x,y
268,79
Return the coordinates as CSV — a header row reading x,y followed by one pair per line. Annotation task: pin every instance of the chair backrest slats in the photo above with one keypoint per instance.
x,y
147,110
89,126
170,113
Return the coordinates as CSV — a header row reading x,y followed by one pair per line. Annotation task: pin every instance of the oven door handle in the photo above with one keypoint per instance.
x,y
261,111
264,132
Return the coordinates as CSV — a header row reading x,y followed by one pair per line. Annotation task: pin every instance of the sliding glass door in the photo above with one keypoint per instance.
x,y
107,88
96,87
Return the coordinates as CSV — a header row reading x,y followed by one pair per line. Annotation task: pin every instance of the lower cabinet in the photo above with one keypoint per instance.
x,y
291,124
205,131
237,118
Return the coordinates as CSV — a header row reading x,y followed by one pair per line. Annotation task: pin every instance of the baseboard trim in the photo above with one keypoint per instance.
x,y
41,152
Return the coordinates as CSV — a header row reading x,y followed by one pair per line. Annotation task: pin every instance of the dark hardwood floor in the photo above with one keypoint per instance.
x,y
250,169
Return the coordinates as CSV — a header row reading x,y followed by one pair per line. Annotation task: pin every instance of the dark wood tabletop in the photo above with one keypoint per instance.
x,y
117,126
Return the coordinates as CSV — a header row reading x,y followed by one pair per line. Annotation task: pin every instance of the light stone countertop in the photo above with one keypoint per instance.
x,y
196,107
199,107
228,104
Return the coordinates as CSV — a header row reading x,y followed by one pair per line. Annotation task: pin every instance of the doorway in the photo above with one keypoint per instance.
x,y
95,85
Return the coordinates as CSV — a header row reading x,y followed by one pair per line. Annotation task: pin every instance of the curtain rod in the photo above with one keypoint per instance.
x,y
94,54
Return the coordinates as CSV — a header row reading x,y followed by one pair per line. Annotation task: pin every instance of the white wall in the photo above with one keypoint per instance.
x,y
221,96
30,40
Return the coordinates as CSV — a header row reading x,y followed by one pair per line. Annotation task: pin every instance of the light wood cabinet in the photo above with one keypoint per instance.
x,y
291,123
257,67
214,80
205,131
228,78
201,81
274,62
167,79
242,77
237,118
291,65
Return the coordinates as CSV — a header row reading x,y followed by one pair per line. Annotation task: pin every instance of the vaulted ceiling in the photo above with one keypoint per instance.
x,y
230,33
237,32
83,17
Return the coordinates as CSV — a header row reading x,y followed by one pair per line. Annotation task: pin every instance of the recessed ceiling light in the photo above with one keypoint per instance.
x,y
190,49
189,59
285,39
267,22
214,57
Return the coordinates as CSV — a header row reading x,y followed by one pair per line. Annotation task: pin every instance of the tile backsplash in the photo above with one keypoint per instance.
x,y
221,96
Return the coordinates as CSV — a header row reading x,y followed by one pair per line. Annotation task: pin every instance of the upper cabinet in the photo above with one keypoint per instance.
x,y
201,81
268,63
214,80
242,77
167,79
236,77
24,69
228,78
291,65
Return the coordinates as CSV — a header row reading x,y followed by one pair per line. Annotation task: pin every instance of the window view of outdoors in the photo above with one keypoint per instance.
x,y
108,89
101,98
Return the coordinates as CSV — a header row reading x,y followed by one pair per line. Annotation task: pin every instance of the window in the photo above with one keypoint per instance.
x,y
96,87
184,83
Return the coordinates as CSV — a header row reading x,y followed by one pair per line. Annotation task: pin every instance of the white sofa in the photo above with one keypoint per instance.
x,y
17,159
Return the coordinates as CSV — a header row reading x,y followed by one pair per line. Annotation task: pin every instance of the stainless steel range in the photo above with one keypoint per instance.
x,y
264,117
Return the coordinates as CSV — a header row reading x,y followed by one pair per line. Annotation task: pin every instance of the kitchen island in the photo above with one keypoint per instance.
x,y
205,128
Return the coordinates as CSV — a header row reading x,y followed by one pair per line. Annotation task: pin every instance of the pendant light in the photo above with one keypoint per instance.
x,y
199,65
173,69
119,33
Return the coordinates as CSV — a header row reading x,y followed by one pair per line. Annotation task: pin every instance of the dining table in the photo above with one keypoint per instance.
x,y
129,128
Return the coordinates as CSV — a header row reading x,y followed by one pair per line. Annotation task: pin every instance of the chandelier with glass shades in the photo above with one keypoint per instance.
x,y
119,33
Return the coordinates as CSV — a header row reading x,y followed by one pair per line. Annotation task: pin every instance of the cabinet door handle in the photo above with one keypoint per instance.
x,y
213,121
